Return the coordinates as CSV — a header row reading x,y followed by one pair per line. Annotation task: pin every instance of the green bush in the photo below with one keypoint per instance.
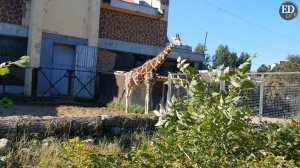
x,y
137,109
4,70
207,128
213,128
77,154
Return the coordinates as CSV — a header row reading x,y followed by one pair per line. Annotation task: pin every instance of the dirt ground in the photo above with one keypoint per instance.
x,y
42,111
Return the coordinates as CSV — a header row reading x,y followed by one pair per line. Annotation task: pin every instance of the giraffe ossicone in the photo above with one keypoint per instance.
x,y
144,76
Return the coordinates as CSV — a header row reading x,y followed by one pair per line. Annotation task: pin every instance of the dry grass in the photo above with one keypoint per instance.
x,y
51,152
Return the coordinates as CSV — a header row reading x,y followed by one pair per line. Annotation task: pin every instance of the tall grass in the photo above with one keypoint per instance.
x,y
137,109
74,152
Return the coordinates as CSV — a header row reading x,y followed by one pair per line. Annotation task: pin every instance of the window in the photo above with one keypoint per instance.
x,y
11,49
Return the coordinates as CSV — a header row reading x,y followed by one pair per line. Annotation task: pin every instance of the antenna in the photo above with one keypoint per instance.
x,y
205,43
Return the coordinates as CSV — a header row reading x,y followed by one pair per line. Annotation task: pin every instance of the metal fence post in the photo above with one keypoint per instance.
x,y
70,76
34,82
222,83
261,97
97,88
169,93
3,84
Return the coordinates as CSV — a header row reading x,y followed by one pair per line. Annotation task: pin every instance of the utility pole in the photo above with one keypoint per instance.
x,y
205,43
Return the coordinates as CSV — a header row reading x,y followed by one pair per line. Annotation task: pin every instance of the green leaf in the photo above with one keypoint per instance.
x,y
4,71
235,84
226,70
214,94
160,123
6,102
22,62
247,84
157,113
185,66
194,82
179,59
182,61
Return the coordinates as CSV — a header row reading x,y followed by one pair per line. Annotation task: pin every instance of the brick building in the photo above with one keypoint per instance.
x,y
106,35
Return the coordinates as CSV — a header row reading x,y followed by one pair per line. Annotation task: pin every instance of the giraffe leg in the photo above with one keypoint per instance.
x,y
126,97
146,102
148,98
128,93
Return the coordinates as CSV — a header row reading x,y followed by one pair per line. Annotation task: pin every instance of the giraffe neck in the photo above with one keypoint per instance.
x,y
156,62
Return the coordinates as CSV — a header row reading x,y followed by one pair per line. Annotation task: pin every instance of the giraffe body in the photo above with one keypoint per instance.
x,y
144,76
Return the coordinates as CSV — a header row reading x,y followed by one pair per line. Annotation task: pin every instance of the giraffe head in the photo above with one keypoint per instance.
x,y
176,40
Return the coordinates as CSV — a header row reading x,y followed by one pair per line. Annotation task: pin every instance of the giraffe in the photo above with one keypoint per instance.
x,y
144,76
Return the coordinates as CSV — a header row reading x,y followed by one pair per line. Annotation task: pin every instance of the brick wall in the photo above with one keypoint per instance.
x,y
131,28
106,60
12,11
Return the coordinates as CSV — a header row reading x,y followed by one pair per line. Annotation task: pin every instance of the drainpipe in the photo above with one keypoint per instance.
x,y
34,40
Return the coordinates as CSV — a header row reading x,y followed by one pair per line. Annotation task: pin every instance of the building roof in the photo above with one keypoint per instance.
x,y
130,1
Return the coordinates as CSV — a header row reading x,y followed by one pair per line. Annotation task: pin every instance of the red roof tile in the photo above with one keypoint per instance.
x,y
130,1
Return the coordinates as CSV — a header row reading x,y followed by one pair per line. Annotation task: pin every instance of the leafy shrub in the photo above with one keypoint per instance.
x,y
136,109
4,70
53,152
208,128
78,153
213,128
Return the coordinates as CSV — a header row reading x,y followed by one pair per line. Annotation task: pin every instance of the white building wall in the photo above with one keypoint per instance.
x,y
66,17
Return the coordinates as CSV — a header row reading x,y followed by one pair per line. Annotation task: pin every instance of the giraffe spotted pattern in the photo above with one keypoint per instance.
x,y
144,76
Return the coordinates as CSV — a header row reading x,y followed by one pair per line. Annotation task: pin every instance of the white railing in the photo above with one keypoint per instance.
x,y
135,7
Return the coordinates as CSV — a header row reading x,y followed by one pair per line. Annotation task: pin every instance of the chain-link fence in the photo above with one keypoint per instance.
x,y
172,89
276,95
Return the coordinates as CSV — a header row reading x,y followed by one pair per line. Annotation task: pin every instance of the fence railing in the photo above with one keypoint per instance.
x,y
276,95
64,82
71,84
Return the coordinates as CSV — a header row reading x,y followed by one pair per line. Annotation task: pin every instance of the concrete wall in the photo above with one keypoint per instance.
x,y
34,40
113,91
13,30
66,17
147,50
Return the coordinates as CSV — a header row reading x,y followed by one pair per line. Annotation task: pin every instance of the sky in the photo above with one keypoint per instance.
x,y
252,26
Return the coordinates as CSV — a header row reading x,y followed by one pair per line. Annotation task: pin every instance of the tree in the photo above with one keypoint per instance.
x,y
243,58
205,65
200,48
224,57
262,68
291,65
